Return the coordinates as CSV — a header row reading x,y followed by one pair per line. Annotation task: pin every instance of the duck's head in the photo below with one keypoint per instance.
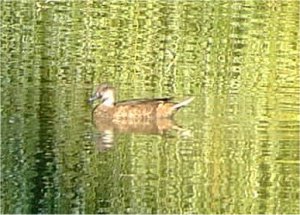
x,y
105,92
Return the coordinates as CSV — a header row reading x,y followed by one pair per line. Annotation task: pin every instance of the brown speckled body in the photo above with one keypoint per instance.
x,y
142,109
133,109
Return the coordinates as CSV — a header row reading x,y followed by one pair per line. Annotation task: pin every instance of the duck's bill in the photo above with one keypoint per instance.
x,y
93,98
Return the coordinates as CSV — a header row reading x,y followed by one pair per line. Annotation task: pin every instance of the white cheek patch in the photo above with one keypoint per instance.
x,y
108,98
108,102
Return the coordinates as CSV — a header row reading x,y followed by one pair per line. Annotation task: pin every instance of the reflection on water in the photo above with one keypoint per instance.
x,y
108,129
239,59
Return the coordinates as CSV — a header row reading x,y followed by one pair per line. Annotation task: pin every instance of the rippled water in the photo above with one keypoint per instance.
x,y
235,149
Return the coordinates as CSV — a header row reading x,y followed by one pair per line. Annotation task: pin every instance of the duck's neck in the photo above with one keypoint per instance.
x,y
109,102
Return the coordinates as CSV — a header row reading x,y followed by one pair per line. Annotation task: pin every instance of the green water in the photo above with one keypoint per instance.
x,y
237,149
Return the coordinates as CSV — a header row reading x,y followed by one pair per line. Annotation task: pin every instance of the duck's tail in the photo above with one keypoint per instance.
x,y
183,103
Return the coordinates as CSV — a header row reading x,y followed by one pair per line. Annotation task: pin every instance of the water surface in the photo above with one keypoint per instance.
x,y
237,149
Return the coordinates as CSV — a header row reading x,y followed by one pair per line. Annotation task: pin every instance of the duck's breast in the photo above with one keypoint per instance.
x,y
102,111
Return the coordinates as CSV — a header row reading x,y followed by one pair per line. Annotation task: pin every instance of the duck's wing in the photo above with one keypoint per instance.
x,y
143,101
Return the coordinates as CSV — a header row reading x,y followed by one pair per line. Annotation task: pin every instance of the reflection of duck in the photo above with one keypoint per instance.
x,y
109,128
157,108
145,126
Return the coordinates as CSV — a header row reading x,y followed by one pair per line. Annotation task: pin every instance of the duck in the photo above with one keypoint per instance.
x,y
134,109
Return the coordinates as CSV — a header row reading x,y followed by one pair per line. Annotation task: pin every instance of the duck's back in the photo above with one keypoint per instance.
x,y
137,109
144,108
